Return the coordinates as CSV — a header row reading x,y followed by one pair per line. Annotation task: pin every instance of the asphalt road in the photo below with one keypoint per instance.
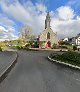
x,y
34,73
6,59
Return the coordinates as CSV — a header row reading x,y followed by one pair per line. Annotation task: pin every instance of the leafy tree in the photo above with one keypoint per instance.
x,y
26,35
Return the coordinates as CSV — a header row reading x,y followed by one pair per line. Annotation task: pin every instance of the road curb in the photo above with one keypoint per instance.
x,y
4,74
63,63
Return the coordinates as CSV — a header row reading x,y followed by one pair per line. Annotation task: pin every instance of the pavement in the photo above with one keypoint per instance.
x,y
34,73
6,60
49,49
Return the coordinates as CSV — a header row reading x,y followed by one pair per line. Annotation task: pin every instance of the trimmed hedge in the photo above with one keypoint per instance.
x,y
68,57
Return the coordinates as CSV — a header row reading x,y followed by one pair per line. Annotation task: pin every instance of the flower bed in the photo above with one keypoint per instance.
x,y
67,57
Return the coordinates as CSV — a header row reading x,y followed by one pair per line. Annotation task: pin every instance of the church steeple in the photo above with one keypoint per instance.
x,y
47,21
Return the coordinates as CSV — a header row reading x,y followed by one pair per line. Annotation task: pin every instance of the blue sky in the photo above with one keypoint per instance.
x,y
15,14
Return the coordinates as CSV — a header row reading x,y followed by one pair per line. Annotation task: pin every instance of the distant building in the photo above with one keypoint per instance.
x,y
78,39
75,40
72,41
66,39
48,37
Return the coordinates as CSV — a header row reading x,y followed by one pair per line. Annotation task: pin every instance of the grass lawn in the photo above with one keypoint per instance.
x,y
67,57
70,47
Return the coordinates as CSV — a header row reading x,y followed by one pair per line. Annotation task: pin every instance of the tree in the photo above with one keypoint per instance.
x,y
26,35
61,43
26,32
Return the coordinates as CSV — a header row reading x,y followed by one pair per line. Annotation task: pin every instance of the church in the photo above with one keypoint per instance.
x,y
47,38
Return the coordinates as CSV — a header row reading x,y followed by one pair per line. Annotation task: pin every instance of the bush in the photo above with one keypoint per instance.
x,y
36,44
66,43
0,49
27,46
16,47
69,57
54,46
74,47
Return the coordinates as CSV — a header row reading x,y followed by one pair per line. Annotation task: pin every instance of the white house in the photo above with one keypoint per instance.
x,y
66,39
78,40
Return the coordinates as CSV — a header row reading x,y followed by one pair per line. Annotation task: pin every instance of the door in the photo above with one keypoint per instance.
x,y
48,44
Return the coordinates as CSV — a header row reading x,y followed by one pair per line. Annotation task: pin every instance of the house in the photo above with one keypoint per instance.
x,y
75,40
78,40
72,41
66,39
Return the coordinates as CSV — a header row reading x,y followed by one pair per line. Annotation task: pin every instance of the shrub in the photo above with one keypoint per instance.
x,y
66,43
27,46
54,46
74,47
16,47
69,57
36,44
41,44
0,49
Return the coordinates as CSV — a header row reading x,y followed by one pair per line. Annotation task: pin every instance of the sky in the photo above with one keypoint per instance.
x,y
16,14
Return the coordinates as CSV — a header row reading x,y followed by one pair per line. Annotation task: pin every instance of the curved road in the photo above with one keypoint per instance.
x,y
34,73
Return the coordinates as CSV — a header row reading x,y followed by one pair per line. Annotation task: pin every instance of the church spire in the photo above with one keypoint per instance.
x,y
47,21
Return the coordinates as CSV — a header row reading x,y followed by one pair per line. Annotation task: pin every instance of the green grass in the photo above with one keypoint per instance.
x,y
70,47
67,57
15,47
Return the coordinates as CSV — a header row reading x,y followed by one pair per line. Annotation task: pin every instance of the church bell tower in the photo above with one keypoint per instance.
x,y
47,21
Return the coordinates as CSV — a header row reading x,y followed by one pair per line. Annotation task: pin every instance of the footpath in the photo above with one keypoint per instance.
x,y
7,61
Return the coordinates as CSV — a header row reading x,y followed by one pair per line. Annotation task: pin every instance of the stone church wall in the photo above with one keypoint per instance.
x,y
53,37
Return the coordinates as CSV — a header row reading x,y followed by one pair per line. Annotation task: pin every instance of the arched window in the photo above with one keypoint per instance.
x,y
48,35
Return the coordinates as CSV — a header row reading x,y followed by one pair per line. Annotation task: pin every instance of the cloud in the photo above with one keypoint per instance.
x,y
17,11
73,3
28,14
65,23
65,12
7,34
64,20
4,20
41,7
68,28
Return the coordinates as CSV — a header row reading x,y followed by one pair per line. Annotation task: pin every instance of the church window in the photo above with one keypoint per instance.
x,y
48,35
